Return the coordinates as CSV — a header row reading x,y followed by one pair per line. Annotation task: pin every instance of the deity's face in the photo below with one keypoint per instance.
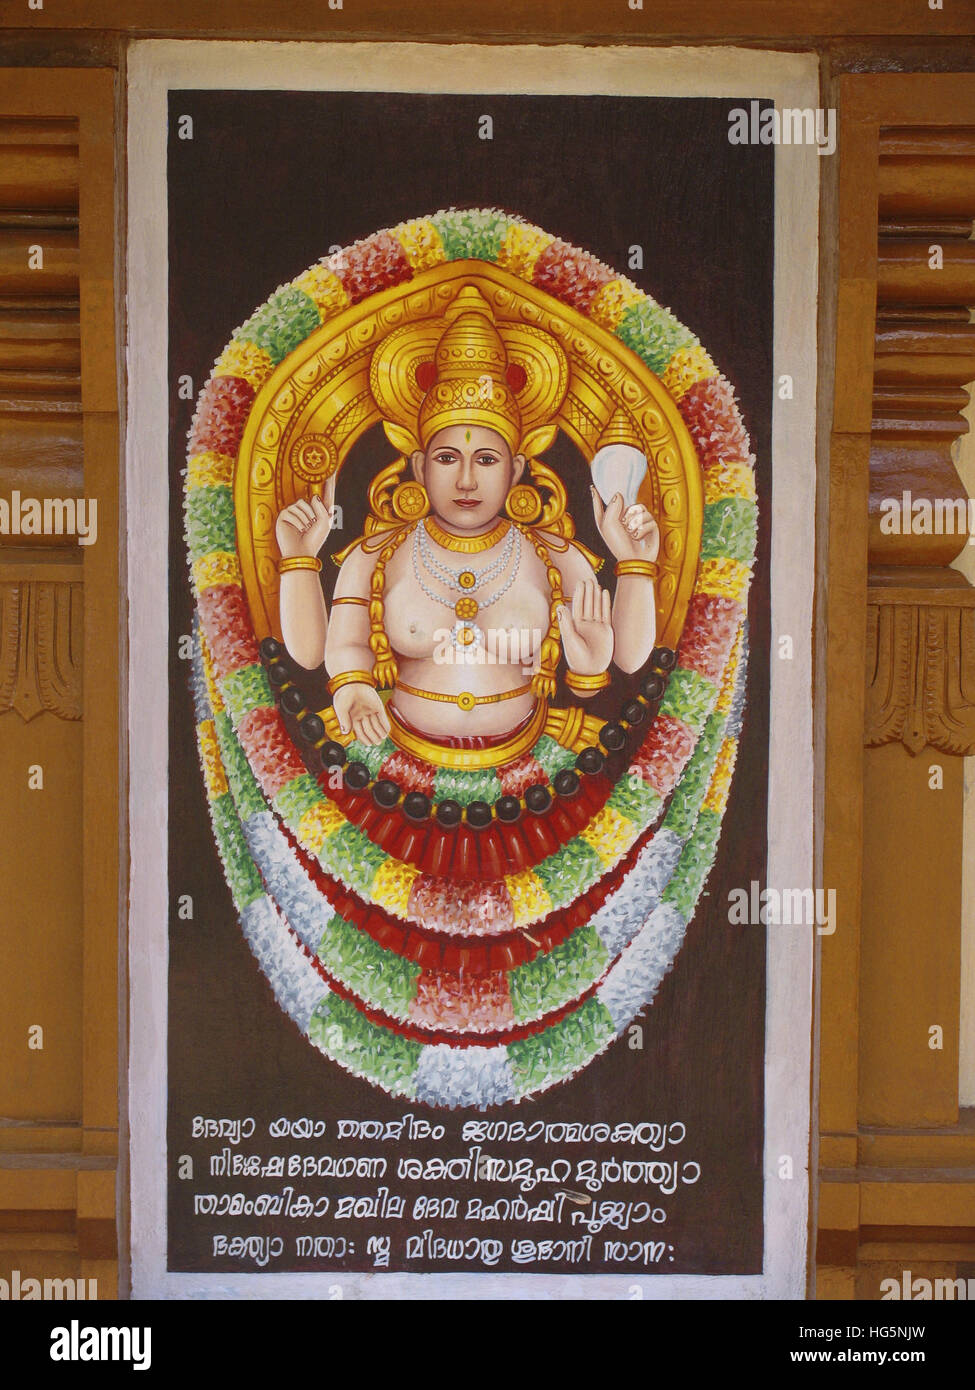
x,y
467,472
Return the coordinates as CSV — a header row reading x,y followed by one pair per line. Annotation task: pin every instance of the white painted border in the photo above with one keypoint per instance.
x,y
790,80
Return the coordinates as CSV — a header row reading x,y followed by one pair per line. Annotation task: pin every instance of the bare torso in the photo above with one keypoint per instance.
x,y
419,630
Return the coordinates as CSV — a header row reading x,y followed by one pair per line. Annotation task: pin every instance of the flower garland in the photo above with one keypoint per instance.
x,y
468,1001
377,1010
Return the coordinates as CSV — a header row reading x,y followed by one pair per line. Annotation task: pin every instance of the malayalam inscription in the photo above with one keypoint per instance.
x,y
413,1193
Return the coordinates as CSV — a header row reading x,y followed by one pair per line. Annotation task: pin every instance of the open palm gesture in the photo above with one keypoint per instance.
x,y
587,629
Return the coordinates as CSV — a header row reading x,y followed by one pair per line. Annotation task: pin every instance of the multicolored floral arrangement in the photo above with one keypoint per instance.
x,y
476,990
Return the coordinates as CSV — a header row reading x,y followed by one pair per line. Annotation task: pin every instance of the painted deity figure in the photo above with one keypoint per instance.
x,y
462,601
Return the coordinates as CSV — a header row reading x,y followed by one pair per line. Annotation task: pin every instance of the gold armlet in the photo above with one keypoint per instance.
x,y
299,562
649,568
351,599
576,682
350,678
595,560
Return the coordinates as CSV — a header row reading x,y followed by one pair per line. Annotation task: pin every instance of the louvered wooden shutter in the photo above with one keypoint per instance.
x,y
59,681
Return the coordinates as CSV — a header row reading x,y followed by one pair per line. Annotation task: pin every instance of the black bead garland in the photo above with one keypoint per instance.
x,y
591,761
654,686
333,755
292,700
507,809
312,728
357,777
538,799
566,782
416,807
385,793
479,815
450,814
612,737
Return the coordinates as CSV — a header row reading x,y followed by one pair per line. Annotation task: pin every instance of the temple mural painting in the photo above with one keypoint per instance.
x,y
470,499
494,883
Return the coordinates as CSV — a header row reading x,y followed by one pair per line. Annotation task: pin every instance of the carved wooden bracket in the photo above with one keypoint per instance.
x,y
41,648
921,614
920,663
925,341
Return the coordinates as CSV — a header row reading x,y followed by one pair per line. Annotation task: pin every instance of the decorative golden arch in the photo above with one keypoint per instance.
x,y
318,403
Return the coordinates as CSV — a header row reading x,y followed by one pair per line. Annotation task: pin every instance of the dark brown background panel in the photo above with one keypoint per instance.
x,y
268,183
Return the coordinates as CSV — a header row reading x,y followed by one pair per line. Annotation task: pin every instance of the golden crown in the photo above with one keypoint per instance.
x,y
466,369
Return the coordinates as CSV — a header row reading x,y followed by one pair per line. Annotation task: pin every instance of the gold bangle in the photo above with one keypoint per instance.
x,y
350,599
649,568
577,682
299,562
350,678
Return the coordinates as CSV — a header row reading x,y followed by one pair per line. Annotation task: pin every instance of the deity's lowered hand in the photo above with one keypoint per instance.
x,y
359,708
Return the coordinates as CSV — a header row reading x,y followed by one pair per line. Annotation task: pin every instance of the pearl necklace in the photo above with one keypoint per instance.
x,y
466,636
462,579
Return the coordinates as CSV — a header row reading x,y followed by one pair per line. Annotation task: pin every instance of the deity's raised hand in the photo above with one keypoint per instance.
x,y
359,708
630,533
587,630
304,527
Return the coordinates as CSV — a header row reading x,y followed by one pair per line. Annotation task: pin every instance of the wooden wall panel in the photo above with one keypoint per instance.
x,y
911,949
59,673
469,19
905,352
40,944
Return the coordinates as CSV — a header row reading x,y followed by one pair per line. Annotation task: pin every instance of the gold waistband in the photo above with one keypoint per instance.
x,y
463,699
572,728
466,759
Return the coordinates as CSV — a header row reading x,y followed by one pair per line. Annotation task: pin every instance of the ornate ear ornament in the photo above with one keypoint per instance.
x,y
392,503
410,501
523,504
